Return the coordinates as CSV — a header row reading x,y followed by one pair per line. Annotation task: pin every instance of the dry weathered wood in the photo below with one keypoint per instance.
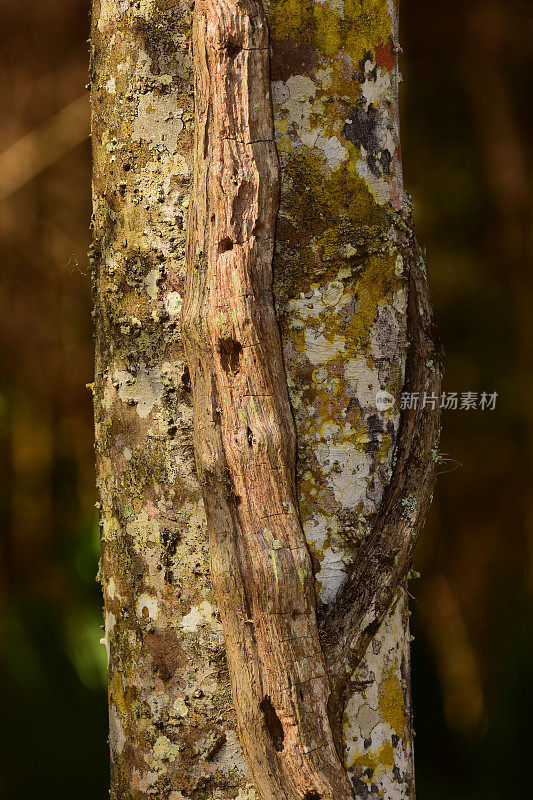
x,y
244,432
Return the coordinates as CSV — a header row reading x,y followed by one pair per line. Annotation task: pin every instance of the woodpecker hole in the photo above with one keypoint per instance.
x,y
273,723
225,245
230,354
233,49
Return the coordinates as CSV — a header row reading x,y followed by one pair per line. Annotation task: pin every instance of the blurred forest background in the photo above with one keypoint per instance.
x,y
466,128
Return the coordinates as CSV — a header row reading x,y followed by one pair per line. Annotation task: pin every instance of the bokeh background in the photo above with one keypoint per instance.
x,y
466,128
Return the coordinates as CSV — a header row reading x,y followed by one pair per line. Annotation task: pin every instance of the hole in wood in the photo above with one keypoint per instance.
x,y
311,796
225,244
186,379
234,499
230,354
273,723
233,49
250,437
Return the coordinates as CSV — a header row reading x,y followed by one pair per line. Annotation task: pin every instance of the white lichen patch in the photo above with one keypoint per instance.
x,y
331,574
150,283
200,616
144,390
173,303
230,758
117,738
148,604
377,86
144,530
193,620
362,380
180,708
111,588
334,151
297,107
110,622
320,349
159,121
318,301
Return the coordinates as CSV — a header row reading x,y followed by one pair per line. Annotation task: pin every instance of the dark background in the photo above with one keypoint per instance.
x,y
466,126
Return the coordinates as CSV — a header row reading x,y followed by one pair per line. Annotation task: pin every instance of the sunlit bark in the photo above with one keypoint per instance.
x,y
344,267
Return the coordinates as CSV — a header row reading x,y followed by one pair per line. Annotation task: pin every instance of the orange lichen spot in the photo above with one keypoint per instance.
x,y
385,55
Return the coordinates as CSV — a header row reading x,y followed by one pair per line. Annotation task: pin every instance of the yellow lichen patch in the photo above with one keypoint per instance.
x,y
376,286
116,692
362,27
392,701
384,448
382,758
319,198
327,219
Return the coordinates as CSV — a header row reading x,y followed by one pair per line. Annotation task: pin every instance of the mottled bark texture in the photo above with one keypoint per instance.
x,y
351,302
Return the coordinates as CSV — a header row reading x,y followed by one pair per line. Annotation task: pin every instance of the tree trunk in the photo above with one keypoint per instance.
x,y
282,671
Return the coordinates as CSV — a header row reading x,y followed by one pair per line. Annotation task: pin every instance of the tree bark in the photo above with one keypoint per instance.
x,y
196,656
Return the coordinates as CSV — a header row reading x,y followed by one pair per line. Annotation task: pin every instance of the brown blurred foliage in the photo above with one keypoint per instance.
x,y
53,711
466,124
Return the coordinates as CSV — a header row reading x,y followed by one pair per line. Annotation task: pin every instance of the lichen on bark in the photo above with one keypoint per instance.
x,y
340,285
